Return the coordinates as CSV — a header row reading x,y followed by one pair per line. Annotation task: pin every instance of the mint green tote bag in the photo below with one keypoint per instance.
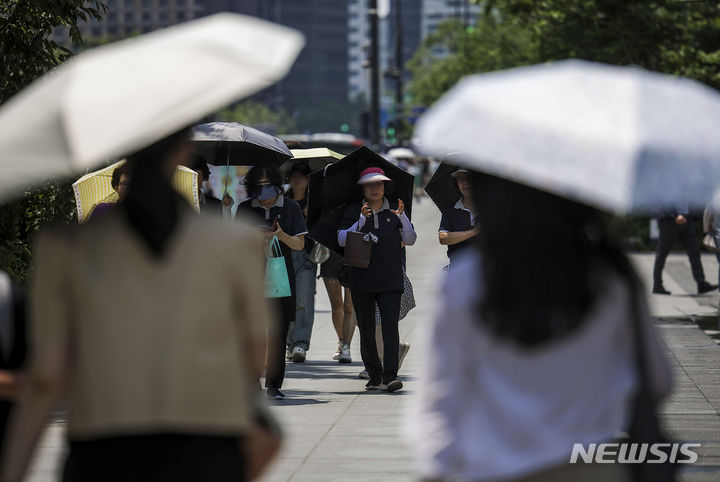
x,y
277,284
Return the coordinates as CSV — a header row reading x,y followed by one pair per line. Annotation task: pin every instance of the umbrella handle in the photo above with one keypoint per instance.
x,y
227,171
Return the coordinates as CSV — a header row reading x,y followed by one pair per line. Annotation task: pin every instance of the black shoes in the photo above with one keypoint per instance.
x,y
660,290
275,394
705,287
393,386
373,385
702,287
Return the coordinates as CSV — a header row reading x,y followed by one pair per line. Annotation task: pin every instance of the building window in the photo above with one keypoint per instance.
x,y
181,16
129,17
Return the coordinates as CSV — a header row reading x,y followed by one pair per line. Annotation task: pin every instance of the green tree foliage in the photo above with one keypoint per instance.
x,y
454,51
19,220
678,37
26,53
26,48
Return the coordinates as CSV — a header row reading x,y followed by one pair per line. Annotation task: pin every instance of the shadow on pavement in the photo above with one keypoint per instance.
x,y
297,401
375,393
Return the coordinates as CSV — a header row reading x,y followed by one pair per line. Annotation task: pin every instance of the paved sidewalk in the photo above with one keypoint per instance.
x,y
692,413
336,431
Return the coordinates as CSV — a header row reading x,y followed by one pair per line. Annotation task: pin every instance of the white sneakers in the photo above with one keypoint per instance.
x,y
336,355
345,354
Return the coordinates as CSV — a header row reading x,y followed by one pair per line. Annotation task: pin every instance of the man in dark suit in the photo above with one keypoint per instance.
x,y
676,225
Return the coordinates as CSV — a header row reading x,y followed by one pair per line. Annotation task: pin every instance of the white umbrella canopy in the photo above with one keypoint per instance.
x,y
113,100
401,153
618,138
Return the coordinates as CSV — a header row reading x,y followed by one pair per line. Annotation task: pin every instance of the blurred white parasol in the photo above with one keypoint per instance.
x,y
618,138
112,100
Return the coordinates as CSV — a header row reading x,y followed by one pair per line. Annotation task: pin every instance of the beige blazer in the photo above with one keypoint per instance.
x,y
154,344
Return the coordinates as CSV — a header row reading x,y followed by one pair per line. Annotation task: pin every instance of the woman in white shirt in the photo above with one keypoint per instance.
x,y
532,345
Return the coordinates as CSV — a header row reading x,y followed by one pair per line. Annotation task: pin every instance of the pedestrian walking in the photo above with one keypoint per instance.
x,y
151,321
208,203
336,277
449,188
277,216
458,223
120,182
532,347
677,225
305,272
711,227
332,189
382,281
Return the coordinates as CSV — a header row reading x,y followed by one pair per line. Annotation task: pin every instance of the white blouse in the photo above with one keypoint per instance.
x,y
487,408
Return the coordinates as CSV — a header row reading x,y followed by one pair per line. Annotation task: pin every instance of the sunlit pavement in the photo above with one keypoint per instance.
x,y
337,431
692,413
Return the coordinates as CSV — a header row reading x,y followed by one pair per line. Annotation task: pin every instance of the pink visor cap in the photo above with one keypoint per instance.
x,y
372,174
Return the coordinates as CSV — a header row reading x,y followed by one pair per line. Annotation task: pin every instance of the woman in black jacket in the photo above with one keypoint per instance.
x,y
382,281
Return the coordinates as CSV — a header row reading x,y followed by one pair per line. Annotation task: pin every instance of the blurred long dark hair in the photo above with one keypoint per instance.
x,y
540,257
152,206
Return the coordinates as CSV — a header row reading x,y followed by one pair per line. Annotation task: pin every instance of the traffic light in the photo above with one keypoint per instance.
x,y
391,133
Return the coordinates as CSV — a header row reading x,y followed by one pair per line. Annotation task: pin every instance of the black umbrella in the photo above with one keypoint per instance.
x,y
233,144
332,188
442,187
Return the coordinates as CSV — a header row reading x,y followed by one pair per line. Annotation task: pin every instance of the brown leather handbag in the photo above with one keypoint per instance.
x,y
358,248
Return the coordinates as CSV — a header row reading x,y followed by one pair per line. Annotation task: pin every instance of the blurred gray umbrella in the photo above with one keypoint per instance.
x,y
230,143
112,100
618,138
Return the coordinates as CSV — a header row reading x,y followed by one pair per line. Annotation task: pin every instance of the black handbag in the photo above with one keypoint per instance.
x,y
358,249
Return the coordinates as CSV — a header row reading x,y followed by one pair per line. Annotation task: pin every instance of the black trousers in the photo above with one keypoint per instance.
x,y
275,370
156,458
388,303
671,233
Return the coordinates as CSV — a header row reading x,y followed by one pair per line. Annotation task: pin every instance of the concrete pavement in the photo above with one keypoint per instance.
x,y
335,430
692,412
